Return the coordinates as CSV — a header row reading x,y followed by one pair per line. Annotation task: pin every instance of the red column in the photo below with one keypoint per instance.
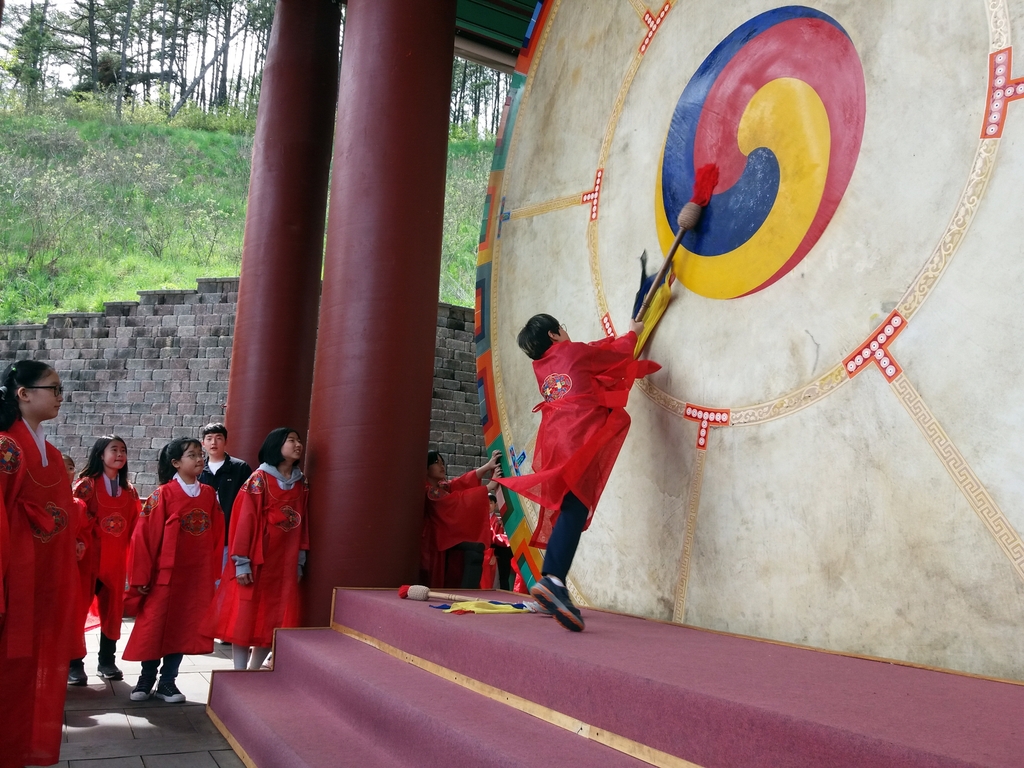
x,y
370,414
275,328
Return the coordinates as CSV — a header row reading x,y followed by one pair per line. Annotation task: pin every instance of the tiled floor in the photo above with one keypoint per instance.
x,y
104,728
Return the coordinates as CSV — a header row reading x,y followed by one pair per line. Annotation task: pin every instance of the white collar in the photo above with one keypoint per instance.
x,y
190,490
40,437
113,486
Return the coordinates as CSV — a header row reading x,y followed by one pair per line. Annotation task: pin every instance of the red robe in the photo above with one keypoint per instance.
x,y
111,522
176,550
269,526
583,424
456,511
86,577
37,637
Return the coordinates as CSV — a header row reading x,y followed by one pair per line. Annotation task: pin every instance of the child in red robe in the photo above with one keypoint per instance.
x,y
268,543
498,555
583,425
40,574
83,534
173,562
456,522
112,505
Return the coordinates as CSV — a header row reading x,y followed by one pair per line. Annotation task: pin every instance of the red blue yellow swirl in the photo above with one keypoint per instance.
x,y
779,107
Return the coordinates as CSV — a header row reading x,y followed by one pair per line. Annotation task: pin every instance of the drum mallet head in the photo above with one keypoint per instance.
x,y
419,592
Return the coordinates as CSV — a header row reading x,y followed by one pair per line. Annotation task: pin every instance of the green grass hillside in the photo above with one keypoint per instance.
x,y
92,211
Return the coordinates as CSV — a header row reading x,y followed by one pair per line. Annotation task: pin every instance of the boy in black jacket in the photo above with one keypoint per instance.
x,y
222,472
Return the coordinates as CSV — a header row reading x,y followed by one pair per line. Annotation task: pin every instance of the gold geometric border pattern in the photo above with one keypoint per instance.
x,y
966,480
692,507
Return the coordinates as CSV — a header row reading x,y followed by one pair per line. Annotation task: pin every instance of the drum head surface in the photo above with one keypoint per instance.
x,y
829,454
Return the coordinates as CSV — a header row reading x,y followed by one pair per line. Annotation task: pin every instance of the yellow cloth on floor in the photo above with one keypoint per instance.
x,y
484,606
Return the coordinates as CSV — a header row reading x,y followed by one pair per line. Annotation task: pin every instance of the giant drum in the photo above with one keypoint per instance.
x,y
832,453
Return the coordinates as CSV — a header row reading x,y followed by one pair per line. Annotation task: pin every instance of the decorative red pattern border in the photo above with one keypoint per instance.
x,y
707,418
653,22
1001,91
875,349
594,195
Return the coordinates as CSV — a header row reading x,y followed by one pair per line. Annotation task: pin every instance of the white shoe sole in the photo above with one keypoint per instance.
x,y
175,698
140,696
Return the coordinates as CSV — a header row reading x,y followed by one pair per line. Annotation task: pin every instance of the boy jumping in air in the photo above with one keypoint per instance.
x,y
583,425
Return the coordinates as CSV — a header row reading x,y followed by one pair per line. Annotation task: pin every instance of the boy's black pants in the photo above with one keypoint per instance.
x,y
565,537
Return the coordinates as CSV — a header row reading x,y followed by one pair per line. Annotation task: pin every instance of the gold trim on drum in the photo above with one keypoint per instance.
x,y
998,25
966,480
970,199
692,507
639,7
539,209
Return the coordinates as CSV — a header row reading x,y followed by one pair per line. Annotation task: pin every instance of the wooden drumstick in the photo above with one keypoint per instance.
x,y
704,184
419,592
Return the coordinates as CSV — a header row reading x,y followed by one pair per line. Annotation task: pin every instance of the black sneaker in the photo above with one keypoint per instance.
x,y
110,672
76,674
169,692
558,603
143,689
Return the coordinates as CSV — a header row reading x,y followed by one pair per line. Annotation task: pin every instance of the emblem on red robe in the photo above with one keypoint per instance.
x,y
196,522
60,522
151,502
10,455
555,387
114,524
291,519
254,484
439,491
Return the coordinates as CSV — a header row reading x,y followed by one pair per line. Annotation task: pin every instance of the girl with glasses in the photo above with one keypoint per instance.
x,y
39,596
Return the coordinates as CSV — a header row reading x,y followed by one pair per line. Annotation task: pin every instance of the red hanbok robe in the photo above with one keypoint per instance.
x,y
37,635
583,424
86,579
111,522
176,550
456,511
270,526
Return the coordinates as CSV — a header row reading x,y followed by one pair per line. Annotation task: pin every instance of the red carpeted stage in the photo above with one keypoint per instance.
x,y
395,682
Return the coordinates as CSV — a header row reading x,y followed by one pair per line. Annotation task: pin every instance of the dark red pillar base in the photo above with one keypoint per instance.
x,y
370,414
275,328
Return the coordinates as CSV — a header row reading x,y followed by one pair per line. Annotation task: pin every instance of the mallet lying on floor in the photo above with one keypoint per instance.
x,y
419,592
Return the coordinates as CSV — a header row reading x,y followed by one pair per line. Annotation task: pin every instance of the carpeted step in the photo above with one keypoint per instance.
x,y
713,699
333,701
280,724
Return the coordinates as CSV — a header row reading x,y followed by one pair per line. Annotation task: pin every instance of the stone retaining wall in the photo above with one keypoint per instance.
x,y
157,368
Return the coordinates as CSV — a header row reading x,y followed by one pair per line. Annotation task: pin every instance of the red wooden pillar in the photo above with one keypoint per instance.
x,y
275,328
370,414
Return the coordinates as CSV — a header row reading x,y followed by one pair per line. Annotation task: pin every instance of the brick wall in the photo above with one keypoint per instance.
x,y
455,412
157,368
